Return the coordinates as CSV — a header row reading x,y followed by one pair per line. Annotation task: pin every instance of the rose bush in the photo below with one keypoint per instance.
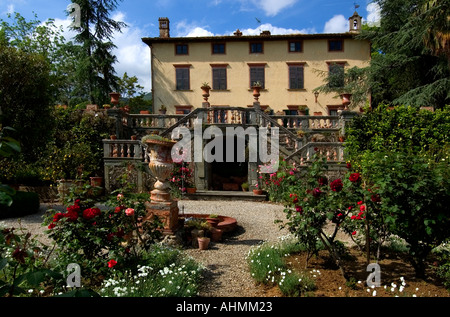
x,y
92,237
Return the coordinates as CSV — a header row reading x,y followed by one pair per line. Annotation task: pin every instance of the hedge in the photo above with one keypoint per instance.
x,y
24,204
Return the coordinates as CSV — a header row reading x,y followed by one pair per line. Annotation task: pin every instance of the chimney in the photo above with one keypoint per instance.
x,y
164,29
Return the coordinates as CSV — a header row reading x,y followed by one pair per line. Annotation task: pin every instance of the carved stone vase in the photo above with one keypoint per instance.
x,y
161,165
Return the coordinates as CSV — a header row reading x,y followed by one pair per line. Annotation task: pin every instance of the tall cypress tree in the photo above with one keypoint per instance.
x,y
96,74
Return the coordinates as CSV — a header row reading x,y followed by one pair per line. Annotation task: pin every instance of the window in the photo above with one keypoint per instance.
x,y
335,45
336,75
257,74
256,48
295,47
219,74
218,48
181,49
333,110
183,78
296,76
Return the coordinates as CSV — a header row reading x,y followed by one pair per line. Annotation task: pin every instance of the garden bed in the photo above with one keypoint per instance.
x,y
395,271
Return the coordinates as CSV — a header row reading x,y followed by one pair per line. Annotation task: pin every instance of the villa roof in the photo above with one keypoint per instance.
x,y
236,38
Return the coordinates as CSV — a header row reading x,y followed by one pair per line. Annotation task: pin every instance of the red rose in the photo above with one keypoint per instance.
x,y
323,181
112,263
316,192
362,208
355,177
375,198
91,213
336,185
299,209
72,215
57,217
353,233
51,226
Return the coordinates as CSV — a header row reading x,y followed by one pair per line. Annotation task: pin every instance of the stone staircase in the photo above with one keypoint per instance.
x,y
300,137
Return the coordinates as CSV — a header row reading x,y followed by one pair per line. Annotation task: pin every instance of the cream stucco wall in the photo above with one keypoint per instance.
x,y
315,56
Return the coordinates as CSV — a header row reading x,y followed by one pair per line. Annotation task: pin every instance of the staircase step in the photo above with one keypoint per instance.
x,y
224,195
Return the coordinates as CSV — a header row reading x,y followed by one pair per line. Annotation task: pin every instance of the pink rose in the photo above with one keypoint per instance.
x,y
129,212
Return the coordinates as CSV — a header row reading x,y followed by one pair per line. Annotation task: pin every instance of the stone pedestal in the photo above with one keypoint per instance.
x,y
167,212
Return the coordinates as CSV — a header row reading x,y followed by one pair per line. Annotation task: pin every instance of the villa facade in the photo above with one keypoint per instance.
x,y
289,68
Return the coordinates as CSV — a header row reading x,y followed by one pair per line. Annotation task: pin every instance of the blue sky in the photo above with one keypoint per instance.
x,y
201,18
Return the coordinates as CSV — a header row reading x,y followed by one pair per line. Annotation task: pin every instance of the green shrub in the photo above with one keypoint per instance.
x,y
24,204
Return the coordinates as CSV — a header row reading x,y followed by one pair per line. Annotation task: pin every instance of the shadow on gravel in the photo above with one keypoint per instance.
x,y
232,238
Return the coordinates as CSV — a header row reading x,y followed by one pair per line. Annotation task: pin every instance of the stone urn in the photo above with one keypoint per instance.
x,y
161,165
346,100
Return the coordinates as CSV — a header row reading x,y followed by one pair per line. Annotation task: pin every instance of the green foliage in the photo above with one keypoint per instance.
x,y
397,129
77,149
408,63
23,265
24,204
25,98
96,75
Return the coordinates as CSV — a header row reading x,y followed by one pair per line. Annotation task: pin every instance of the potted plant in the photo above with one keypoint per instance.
x,y
257,190
191,190
216,234
106,106
302,110
245,187
257,86
162,109
213,220
203,242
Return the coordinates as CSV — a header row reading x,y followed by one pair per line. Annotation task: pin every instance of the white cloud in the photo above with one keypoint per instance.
x,y
133,56
271,7
275,30
337,24
374,14
185,29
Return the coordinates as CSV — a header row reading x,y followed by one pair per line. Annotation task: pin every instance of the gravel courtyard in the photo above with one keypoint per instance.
x,y
227,270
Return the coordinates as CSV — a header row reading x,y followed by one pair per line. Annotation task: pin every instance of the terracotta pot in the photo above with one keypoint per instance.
x,y
346,100
113,137
258,192
213,221
191,190
216,235
205,93
203,243
256,92
96,181
115,98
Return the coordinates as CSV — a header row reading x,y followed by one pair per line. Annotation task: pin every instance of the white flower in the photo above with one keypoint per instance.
x,y
374,293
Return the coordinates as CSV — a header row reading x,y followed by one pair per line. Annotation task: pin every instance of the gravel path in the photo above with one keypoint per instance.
x,y
227,270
